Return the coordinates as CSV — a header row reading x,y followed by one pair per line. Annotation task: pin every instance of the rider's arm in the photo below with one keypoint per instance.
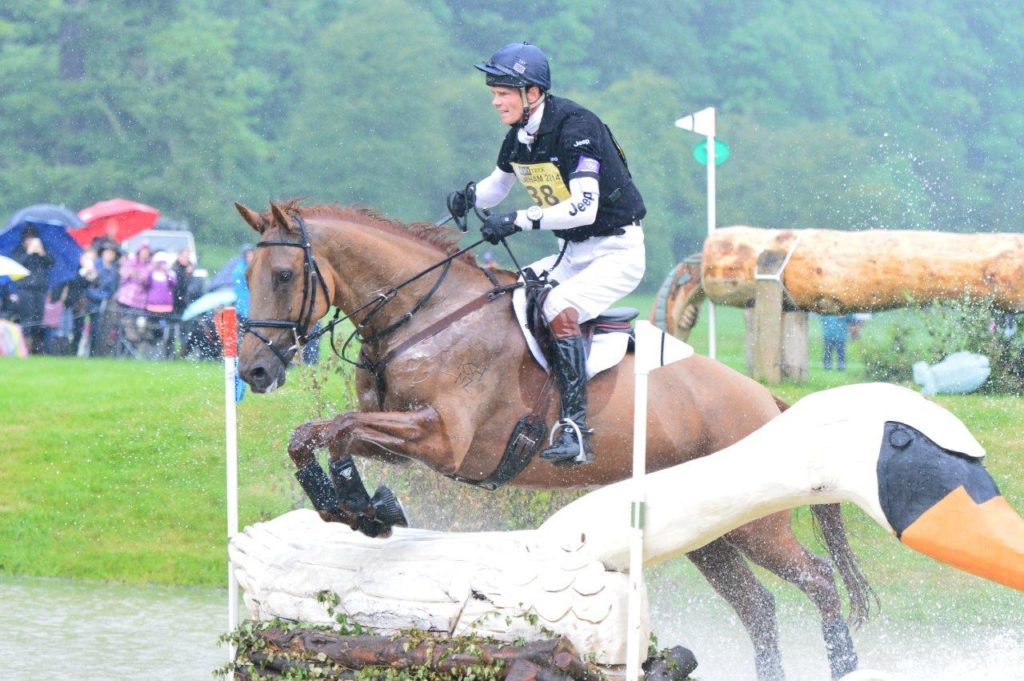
x,y
581,206
493,189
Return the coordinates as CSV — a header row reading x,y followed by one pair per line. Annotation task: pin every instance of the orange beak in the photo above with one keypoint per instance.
x,y
985,539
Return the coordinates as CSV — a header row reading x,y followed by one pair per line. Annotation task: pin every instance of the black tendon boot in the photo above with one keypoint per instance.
x,y
318,487
570,368
353,495
374,516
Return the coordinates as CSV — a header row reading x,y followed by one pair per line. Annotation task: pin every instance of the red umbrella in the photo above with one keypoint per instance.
x,y
118,219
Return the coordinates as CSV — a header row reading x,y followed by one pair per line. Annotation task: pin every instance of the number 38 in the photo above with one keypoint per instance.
x,y
543,194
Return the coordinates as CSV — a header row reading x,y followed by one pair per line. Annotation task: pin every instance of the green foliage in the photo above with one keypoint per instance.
x,y
929,334
834,117
302,665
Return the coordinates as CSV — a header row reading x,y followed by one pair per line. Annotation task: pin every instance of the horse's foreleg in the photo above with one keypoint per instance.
x,y
727,571
416,434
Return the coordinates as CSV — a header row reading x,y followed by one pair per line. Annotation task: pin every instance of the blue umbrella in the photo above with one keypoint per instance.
x,y
224,277
57,242
46,212
208,302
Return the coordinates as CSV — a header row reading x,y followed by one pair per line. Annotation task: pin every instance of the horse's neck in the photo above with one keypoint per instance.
x,y
368,262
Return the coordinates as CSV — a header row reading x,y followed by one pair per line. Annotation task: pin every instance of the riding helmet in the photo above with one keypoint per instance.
x,y
518,65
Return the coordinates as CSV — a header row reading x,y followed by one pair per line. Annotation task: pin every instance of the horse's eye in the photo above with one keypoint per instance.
x,y
283,277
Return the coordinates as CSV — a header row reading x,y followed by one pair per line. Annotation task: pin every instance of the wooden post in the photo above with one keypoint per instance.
x,y
768,317
794,346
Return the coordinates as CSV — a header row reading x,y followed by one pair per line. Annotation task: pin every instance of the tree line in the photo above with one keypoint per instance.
x,y
849,116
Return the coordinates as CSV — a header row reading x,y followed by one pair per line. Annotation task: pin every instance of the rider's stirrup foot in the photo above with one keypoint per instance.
x,y
572,448
581,459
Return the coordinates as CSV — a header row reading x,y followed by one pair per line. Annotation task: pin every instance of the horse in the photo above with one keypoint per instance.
x,y
444,373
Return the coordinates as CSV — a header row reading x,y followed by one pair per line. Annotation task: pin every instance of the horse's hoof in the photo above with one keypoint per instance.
x,y
387,509
675,665
372,528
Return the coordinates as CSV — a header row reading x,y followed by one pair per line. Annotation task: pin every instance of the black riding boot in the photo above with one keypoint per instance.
x,y
570,369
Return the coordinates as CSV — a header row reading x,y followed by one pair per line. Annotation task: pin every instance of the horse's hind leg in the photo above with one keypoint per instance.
x,y
727,571
776,549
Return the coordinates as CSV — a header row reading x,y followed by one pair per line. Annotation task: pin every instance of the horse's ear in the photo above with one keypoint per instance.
x,y
251,216
280,217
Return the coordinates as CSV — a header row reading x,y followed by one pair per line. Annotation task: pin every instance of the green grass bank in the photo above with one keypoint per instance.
x,y
114,470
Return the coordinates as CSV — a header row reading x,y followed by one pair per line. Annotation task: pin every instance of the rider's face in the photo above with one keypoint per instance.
x,y
509,103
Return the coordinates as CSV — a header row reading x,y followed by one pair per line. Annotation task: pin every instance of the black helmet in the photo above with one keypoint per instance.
x,y
518,65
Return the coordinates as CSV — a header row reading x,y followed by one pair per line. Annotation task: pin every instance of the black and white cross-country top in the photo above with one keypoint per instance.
x,y
566,133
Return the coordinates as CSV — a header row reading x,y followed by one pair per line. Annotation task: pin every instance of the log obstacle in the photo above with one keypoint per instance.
x,y
836,272
788,272
566,578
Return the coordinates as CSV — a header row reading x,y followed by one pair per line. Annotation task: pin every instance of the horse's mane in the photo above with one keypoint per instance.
x,y
440,237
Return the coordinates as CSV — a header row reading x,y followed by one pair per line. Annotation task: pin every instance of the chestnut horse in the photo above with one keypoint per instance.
x,y
444,374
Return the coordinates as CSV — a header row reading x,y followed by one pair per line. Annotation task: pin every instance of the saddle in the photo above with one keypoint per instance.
x,y
528,434
614,320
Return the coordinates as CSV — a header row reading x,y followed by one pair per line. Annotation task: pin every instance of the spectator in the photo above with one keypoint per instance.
x,y
131,298
160,287
135,272
160,301
238,282
183,269
834,331
76,302
55,328
30,291
99,293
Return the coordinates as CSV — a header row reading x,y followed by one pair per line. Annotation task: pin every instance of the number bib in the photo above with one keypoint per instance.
x,y
543,182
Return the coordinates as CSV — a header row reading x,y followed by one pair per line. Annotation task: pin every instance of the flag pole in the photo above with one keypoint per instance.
x,y
227,328
654,349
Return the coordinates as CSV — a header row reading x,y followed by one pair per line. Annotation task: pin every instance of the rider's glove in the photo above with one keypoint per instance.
x,y
459,203
498,226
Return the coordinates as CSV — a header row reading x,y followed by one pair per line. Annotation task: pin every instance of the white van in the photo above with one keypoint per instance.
x,y
170,241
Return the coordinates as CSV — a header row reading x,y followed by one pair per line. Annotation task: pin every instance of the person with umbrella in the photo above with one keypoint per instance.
x,y
100,293
30,291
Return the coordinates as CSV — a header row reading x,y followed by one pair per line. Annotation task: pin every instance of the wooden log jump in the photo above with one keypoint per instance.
x,y
836,272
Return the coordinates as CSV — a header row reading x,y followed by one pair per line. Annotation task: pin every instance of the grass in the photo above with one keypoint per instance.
x,y
114,470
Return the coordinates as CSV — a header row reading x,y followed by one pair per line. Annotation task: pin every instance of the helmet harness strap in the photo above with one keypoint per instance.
x,y
527,107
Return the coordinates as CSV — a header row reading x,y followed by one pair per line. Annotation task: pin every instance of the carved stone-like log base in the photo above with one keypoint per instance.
x,y
274,652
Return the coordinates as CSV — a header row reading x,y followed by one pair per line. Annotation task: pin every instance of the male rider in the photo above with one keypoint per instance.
x,y
576,174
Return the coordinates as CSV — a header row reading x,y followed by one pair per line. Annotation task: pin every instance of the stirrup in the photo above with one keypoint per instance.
x,y
581,457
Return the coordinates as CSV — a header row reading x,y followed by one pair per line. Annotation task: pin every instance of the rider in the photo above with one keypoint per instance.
x,y
576,174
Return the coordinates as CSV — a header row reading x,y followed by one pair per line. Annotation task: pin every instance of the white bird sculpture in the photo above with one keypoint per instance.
x,y
910,464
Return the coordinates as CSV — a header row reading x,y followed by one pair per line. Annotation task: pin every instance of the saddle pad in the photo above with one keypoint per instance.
x,y
606,350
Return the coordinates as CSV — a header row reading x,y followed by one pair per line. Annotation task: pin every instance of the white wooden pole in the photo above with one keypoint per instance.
x,y
704,122
637,508
712,222
227,329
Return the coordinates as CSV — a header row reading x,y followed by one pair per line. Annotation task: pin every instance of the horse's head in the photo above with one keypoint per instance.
x,y
287,295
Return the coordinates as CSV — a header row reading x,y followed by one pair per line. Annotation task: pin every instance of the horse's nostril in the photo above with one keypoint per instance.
x,y
257,372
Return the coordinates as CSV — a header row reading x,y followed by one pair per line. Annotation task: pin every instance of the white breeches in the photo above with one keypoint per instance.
x,y
595,274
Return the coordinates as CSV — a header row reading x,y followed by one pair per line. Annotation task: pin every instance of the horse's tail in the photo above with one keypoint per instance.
x,y
829,523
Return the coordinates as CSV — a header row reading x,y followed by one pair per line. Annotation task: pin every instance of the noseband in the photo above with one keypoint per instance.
x,y
300,328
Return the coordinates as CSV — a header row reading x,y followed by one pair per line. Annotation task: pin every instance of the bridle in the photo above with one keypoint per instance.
x,y
310,277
